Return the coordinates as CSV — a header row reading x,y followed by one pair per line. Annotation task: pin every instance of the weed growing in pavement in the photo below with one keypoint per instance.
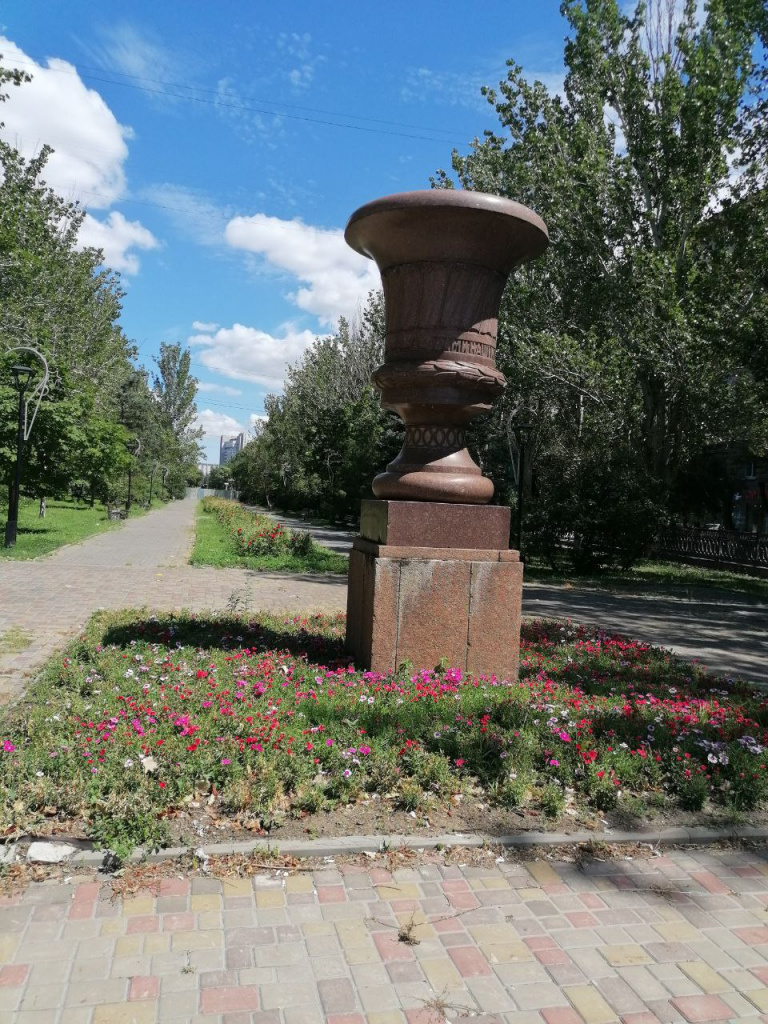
x,y
14,640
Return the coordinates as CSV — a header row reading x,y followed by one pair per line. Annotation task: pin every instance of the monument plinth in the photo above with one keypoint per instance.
x,y
431,575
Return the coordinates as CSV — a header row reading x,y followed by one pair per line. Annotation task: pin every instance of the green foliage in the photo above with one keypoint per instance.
x,y
634,347
552,800
218,478
263,716
327,435
120,826
65,523
60,299
229,534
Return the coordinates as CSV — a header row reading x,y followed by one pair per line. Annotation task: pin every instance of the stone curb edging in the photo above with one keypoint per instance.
x,y
346,845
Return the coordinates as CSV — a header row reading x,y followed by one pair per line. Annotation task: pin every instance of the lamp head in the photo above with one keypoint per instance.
x,y
21,377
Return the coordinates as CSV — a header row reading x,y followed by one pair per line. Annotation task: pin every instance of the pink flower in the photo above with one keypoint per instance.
x,y
226,760
554,762
8,746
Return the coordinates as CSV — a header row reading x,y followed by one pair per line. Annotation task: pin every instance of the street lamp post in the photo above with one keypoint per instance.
x,y
520,493
21,378
133,448
521,431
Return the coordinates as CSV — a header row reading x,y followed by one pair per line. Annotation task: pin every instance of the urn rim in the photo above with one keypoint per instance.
x,y
520,231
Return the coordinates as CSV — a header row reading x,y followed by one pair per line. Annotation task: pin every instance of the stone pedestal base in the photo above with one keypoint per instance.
x,y
426,603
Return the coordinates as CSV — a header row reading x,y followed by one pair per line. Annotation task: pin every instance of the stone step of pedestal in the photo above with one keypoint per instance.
x,y
433,524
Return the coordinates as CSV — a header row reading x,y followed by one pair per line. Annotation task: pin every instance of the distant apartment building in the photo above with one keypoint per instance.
x,y
228,449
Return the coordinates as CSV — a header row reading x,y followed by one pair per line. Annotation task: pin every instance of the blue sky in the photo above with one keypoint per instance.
x,y
220,148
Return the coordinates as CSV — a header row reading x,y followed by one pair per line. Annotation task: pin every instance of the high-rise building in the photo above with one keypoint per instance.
x,y
228,449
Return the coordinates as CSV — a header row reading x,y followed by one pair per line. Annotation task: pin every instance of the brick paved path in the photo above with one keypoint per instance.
x,y
682,937
142,564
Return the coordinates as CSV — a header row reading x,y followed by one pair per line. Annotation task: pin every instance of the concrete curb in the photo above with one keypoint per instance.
x,y
350,845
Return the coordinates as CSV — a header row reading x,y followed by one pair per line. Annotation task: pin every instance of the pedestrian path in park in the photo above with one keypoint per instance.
x,y
144,564
726,632
680,937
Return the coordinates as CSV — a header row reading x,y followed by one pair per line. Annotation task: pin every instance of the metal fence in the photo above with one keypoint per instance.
x,y
209,492
748,550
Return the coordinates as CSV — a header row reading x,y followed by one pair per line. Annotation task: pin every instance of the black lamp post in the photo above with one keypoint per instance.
x,y
21,379
521,431
133,448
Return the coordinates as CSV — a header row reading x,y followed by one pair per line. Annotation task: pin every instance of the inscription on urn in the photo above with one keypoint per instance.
x,y
444,257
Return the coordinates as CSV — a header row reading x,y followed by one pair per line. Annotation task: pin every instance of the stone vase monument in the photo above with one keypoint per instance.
x,y
431,575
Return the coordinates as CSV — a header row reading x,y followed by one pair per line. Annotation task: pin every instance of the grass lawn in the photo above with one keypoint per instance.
x,y
254,719
65,522
229,535
652,577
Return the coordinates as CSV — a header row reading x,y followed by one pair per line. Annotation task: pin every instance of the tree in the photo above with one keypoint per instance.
x,y
174,390
59,299
218,477
631,346
326,436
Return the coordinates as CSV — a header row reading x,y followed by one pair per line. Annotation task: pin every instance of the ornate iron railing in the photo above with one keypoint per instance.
x,y
746,549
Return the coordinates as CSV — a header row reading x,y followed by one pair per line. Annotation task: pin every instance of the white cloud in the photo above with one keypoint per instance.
x,y
87,165
116,236
250,123
296,51
57,108
198,325
126,50
215,424
217,389
191,211
334,278
246,353
453,88
554,81
464,89
256,418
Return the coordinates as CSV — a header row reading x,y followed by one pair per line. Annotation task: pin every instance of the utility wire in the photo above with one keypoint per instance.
x,y
253,109
213,92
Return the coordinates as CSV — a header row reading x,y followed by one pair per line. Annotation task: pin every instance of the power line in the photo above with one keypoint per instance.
x,y
252,109
226,405
251,99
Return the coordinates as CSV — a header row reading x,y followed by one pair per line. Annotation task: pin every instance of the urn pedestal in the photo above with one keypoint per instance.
x,y
430,581
431,576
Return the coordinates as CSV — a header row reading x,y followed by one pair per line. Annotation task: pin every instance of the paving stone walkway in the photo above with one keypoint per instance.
x,y
143,564
677,938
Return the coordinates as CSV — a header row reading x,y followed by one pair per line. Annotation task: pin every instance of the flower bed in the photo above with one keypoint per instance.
x,y
266,716
253,533
244,537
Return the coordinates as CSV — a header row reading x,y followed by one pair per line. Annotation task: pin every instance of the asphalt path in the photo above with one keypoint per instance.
x,y
725,632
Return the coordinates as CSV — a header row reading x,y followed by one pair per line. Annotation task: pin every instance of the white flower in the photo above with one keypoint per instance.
x,y
128,763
